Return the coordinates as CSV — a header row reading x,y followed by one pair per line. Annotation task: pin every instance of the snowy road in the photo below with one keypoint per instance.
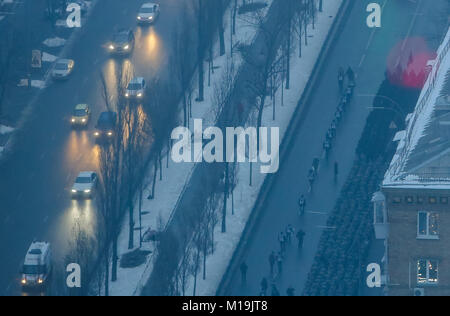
x,y
47,155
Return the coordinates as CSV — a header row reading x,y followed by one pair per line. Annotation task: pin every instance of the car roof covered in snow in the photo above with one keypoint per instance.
x,y
148,5
36,252
137,80
85,174
81,107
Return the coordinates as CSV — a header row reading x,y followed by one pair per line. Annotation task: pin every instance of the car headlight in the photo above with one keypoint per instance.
x,y
111,47
96,133
83,120
139,18
110,133
127,95
23,281
139,95
126,47
73,120
87,191
150,18
74,191
40,281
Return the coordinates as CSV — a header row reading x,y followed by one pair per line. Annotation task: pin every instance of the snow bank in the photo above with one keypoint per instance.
x,y
48,57
5,129
54,42
40,84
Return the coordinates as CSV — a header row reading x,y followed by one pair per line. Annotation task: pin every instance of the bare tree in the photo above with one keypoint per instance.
x,y
136,145
161,104
181,61
7,52
223,95
82,249
265,60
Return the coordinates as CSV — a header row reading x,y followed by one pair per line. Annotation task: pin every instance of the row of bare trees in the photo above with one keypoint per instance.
x,y
270,62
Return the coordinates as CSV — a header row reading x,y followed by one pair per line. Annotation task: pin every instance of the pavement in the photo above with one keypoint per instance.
x,y
366,51
46,155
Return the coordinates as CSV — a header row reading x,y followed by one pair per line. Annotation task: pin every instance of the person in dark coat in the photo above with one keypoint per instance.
x,y
300,238
272,261
244,269
264,287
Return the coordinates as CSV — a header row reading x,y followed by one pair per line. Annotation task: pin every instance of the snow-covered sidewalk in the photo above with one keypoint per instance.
x,y
244,195
157,212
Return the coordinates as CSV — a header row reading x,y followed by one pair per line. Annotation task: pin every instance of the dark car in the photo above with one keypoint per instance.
x,y
122,42
106,125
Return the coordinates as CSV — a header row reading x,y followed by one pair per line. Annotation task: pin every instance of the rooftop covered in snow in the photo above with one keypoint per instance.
x,y
422,159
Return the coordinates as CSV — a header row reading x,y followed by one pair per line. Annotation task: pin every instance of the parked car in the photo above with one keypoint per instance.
x,y
81,115
62,69
37,265
136,88
106,125
148,13
84,185
122,42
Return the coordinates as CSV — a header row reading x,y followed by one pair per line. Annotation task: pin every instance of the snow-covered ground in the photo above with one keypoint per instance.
x,y
245,195
168,191
160,209
5,129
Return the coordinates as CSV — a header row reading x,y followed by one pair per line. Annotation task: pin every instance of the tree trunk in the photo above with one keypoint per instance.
x,y
130,221
221,29
225,198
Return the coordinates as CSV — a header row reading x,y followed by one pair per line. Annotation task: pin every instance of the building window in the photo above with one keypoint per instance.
x,y
420,200
409,199
427,272
397,200
444,200
427,225
433,200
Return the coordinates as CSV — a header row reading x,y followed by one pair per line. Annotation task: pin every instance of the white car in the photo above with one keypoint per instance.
x,y
148,13
84,185
62,68
136,88
37,265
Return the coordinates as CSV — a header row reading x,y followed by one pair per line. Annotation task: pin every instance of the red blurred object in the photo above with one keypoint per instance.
x,y
407,63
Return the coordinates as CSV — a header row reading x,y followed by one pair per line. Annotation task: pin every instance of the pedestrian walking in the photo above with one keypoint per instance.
x,y
351,76
280,263
282,240
302,205
244,269
289,233
300,238
290,291
264,286
275,291
272,261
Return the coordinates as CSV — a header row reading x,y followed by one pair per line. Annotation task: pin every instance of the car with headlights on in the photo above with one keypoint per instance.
x,y
81,115
84,185
136,88
122,42
148,13
62,69
106,126
37,266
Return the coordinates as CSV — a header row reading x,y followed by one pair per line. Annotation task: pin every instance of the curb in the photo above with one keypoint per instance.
x,y
296,120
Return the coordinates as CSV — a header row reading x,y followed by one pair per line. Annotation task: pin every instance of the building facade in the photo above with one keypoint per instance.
x,y
412,211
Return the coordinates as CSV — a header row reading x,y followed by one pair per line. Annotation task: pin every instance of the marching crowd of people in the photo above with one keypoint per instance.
x,y
289,235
